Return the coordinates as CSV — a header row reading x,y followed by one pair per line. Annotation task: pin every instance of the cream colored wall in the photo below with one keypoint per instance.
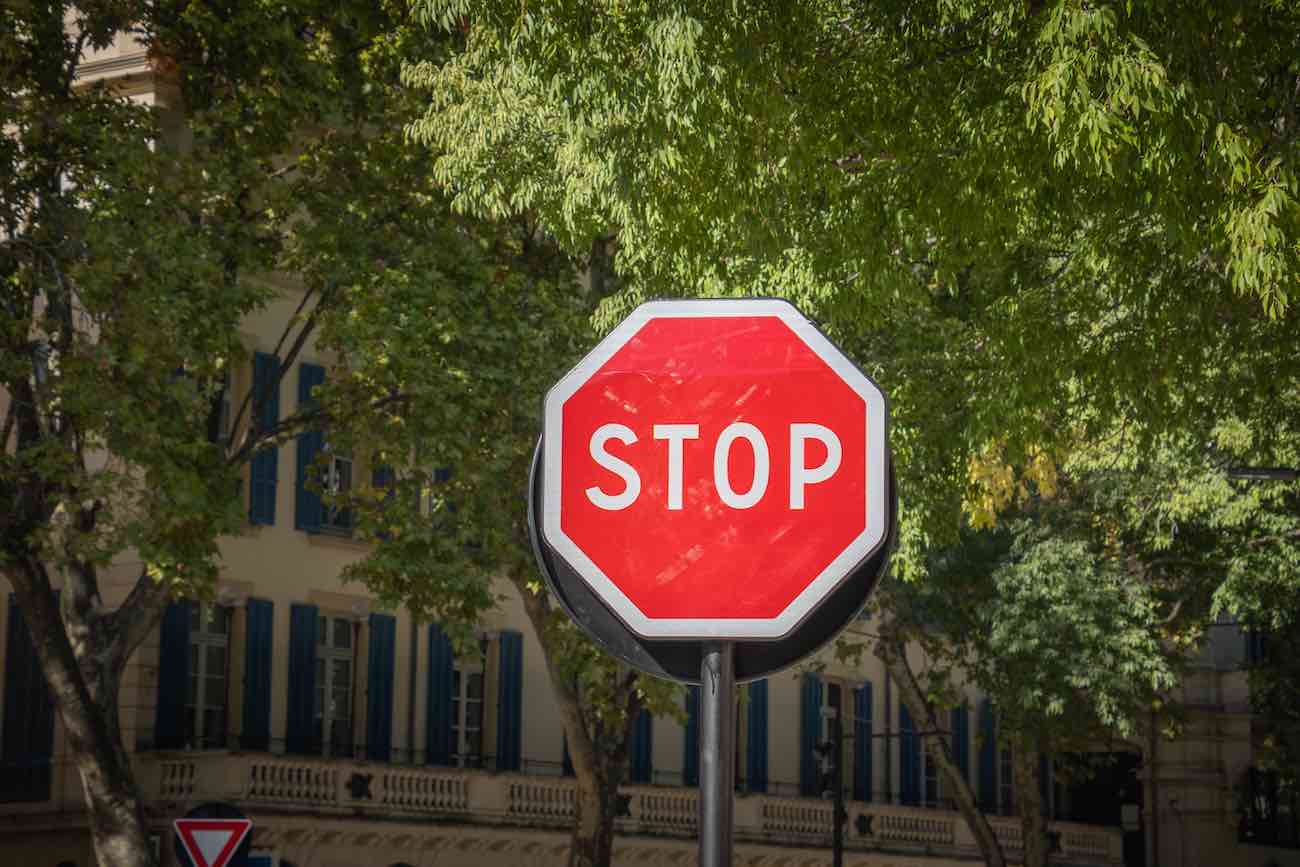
x,y
543,733
669,749
1199,772
783,743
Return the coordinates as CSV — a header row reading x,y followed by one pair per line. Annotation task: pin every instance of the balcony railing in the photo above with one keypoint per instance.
x,y
354,788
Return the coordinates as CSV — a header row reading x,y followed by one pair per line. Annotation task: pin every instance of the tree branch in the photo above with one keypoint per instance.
x,y
582,748
298,422
7,429
250,398
138,614
1278,538
82,579
893,653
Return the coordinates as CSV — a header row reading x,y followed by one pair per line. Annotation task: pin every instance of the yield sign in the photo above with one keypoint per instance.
x,y
211,842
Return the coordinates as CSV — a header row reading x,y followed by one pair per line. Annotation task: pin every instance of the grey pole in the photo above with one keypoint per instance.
x,y
717,753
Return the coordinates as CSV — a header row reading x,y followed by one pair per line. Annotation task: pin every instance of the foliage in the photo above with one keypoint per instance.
x,y
1275,699
268,180
1028,220
1078,607
1062,235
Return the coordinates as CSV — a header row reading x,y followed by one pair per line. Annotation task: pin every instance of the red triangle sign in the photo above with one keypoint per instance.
x,y
211,842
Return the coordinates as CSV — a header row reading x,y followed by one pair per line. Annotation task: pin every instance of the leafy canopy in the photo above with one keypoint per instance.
x,y
1030,221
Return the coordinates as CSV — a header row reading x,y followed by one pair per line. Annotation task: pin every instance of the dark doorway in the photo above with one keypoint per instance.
x,y
1095,788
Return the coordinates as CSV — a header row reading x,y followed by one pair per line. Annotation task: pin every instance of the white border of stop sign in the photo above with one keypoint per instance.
x,y
819,586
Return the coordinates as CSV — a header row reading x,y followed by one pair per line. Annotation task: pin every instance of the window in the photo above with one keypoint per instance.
x,y
1006,783
335,664
205,705
829,750
337,481
467,712
932,789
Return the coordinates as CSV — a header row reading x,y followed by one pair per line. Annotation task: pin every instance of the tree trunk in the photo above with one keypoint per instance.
x,y
595,806
82,652
894,655
1029,798
117,822
598,753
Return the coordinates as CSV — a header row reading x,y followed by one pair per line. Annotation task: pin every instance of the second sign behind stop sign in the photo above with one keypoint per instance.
x,y
714,469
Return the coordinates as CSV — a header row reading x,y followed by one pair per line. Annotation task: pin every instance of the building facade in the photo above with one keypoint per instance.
x,y
353,735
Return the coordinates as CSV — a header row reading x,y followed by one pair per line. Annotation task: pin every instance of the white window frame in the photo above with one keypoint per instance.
x,y
463,672
931,779
202,639
340,477
327,653
1006,805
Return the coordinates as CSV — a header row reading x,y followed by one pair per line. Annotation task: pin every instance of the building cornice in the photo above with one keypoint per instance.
x,y
135,63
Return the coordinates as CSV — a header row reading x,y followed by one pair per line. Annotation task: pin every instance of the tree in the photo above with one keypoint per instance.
x,y
504,346
1068,648
136,239
1043,227
1081,606
1030,221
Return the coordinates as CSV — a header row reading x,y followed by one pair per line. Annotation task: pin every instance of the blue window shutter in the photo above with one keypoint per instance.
x,y
961,739
27,740
988,785
909,764
307,505
810,733
379,687
566,761
438,748
264,469
510,696
258,653
1045,783
641,748
173,677
301,736
862,743
756,760
691,758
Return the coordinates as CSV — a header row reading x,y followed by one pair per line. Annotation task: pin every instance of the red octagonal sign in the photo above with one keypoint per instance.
x,y
714,469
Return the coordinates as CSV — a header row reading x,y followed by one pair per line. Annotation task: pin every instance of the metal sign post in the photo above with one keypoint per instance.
x,y
717,752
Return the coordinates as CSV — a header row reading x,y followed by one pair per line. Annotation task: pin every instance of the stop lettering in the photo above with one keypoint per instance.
x,y
714,469
801,475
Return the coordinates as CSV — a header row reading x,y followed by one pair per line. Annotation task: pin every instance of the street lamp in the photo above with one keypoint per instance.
x,y
831,752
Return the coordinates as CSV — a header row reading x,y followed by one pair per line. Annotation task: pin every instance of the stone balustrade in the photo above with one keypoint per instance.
x,y
355,788
1009,834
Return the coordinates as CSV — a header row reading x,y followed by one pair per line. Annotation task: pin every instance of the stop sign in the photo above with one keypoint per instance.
x,y
714,470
